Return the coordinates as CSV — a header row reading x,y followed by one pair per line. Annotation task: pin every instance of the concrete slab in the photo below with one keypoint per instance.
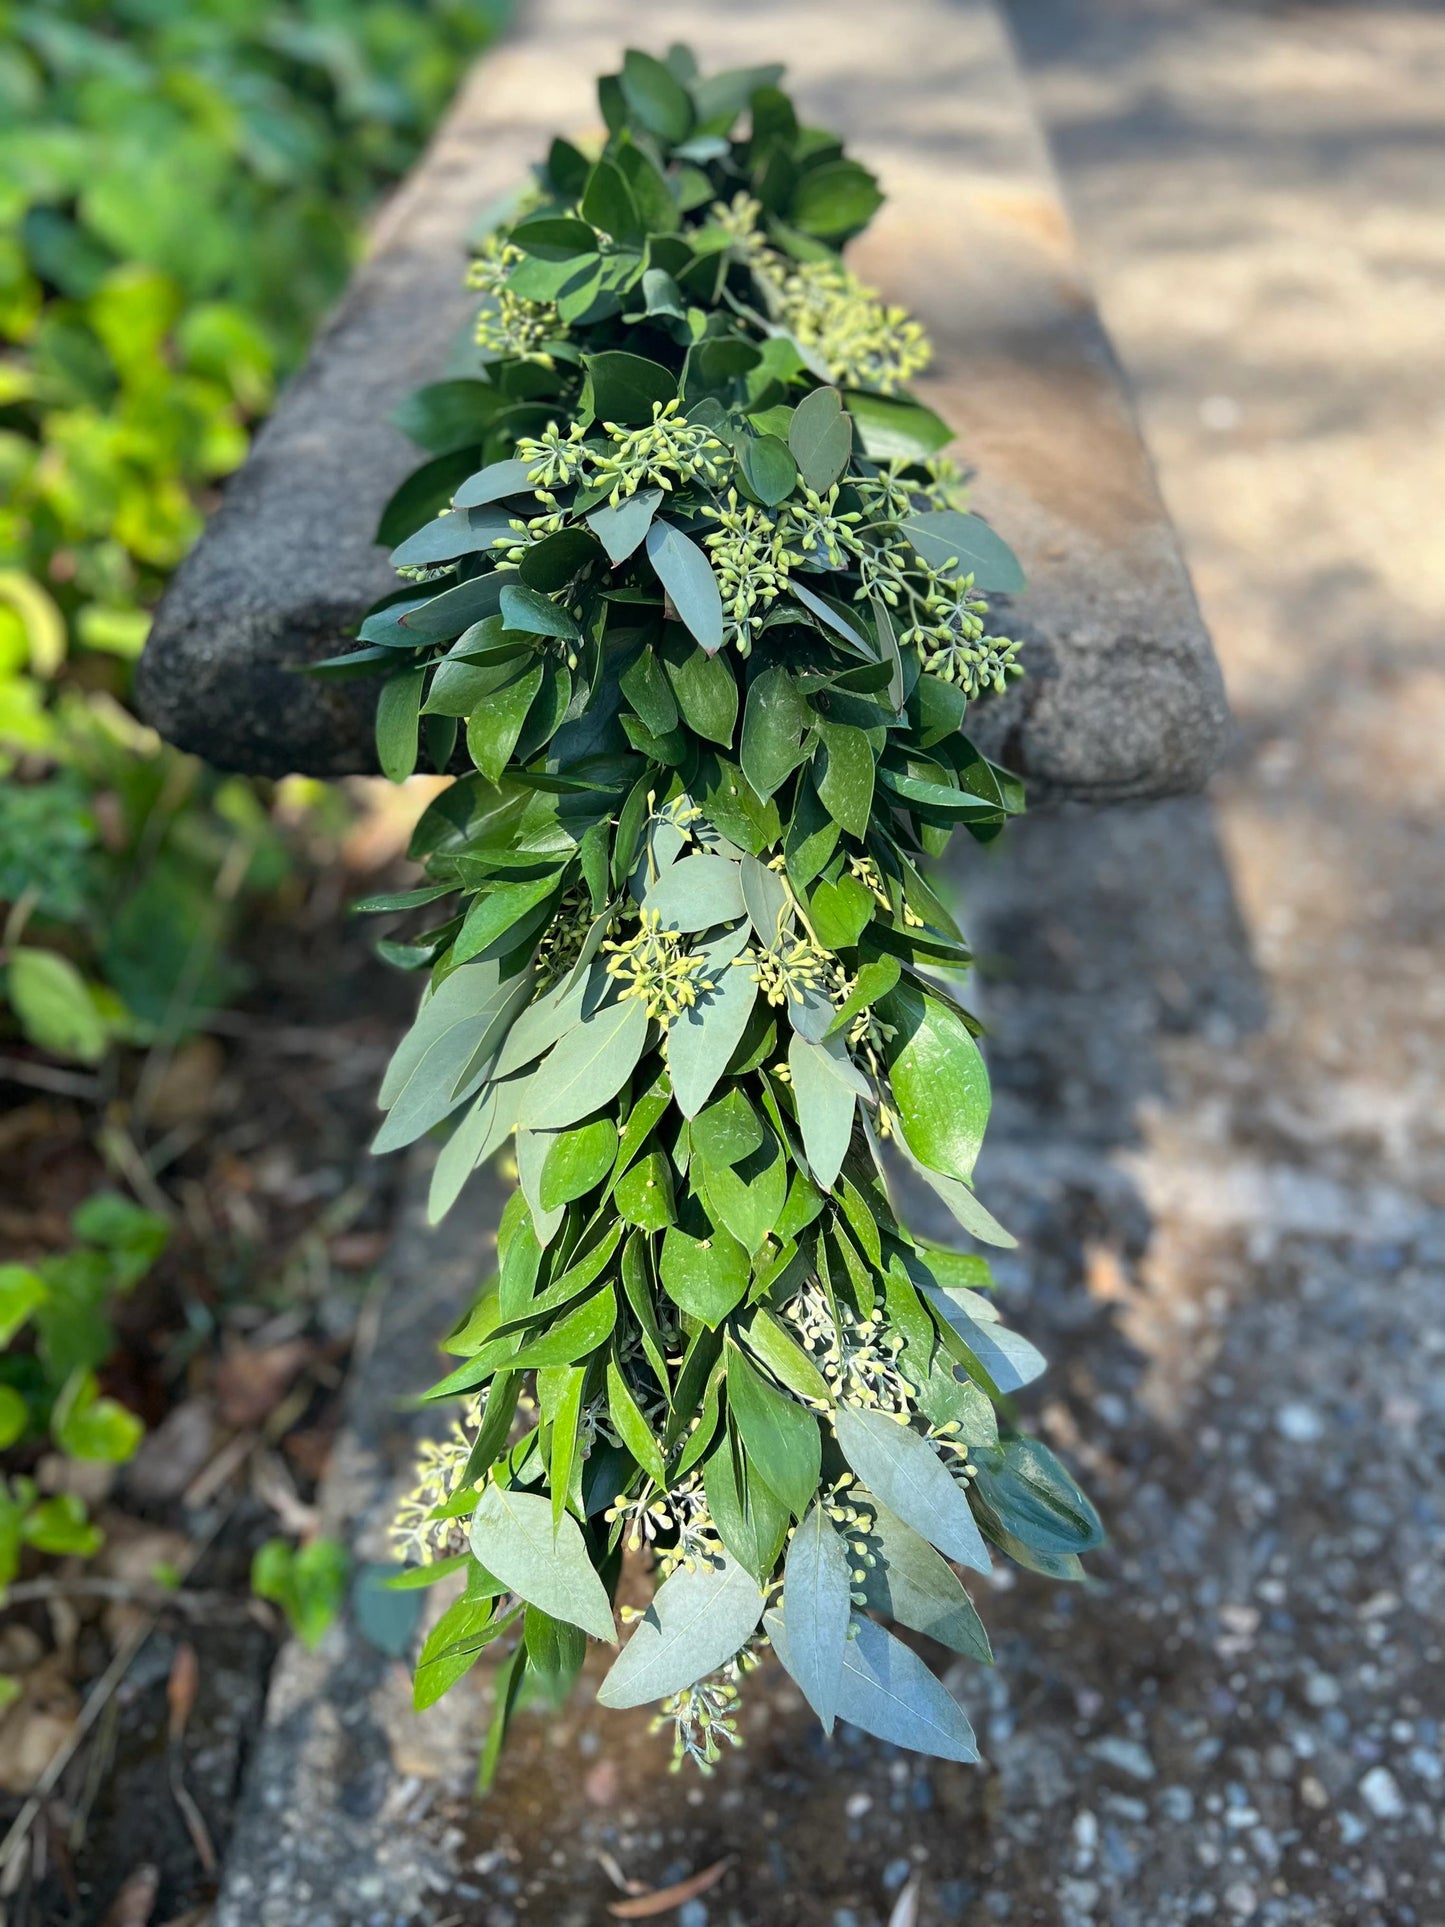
x,y
1123,697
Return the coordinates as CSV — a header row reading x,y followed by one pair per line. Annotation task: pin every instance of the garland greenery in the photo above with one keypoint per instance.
x,y
687,574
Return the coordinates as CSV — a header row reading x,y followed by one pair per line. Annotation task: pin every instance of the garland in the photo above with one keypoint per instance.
x,y
688,576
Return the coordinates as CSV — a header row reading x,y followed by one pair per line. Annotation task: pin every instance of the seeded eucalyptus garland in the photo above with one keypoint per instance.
x,y
688,577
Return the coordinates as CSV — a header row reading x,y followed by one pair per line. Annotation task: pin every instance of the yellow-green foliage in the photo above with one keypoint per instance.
x,y
181,186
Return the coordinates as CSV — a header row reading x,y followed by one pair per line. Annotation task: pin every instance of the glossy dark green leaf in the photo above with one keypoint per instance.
x,y
705,690
780,1436
449,415
939,1081
842,911
843,774
536,614
892,428
607,203
644,1195
777,725
628,388
578,1162
576,1335
752,1521
835,200
656,100
497,911
705,1277
496,723
631,1427
398,708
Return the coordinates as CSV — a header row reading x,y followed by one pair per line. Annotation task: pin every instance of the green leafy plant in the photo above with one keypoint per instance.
x,y
688,578
181,188
55,1331
308,1583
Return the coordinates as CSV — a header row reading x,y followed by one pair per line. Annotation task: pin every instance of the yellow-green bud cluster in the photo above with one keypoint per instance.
x,y
654,966
700,1717
750,559
508,324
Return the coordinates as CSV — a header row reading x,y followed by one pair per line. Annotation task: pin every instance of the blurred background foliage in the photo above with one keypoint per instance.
x,y
182,189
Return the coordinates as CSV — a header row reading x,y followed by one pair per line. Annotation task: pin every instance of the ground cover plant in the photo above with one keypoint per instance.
x,y
182,186
691,588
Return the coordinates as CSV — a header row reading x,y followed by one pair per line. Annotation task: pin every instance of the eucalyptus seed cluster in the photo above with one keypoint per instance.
x,y
750,559
792,970
508,324
857,1354
826,308
654,966
674,1525
700,1716
667,452
415,1532
560,944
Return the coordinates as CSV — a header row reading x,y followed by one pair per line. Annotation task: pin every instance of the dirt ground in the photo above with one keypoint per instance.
x,y
1218,1032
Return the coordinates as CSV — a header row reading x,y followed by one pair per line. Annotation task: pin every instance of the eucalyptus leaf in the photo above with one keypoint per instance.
x,y
888,1691
820,439
588,1065
826,1102
696,1622
818,1602
544,1562
685,572
702,1039
902,1469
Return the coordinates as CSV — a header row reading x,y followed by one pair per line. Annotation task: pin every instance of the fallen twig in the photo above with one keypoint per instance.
x,y
96,1702
662,1900
157,1599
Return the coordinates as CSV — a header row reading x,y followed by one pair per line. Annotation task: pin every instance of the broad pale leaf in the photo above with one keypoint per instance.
x,y
685,572
888,1691
697,893
817,1598
702,1040
697,1621
910,1583
547,1565
826,1102
588,1066
901,1468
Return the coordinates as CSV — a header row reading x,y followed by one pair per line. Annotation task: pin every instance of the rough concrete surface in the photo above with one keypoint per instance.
x,y
1124,698
1217,1043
